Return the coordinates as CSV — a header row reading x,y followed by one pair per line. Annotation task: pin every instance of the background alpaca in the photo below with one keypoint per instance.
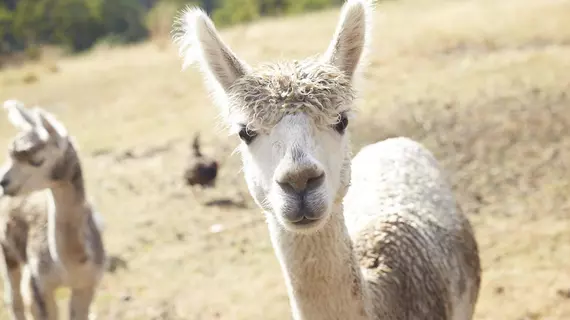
x,y
415,255
50,235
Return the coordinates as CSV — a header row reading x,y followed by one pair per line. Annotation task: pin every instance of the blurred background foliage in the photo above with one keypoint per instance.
x,y
77,25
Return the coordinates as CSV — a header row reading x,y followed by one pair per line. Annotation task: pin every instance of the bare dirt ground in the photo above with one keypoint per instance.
x,y
484,84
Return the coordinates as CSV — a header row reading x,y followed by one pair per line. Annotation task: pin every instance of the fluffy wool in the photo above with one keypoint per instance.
x,y
274,90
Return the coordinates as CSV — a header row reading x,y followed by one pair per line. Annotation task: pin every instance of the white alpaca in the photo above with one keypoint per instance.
x,y
49,233
399,248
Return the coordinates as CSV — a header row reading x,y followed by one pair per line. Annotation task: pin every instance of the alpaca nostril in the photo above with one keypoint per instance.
x,y
315,182
301,182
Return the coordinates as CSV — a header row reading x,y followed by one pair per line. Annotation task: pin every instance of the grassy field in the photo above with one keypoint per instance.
x,y
484,84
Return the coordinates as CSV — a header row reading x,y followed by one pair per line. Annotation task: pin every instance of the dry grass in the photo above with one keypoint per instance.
x,y
484,84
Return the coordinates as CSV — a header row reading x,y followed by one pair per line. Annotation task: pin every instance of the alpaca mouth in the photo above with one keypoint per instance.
x,y
303,212
305,222
305,225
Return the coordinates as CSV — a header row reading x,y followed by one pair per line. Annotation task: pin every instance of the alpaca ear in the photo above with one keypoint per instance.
x,y
199,41
55,129
19,116
351,36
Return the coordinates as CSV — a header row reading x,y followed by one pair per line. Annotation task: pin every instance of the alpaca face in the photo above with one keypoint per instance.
x,y
33,153
291,117
297,170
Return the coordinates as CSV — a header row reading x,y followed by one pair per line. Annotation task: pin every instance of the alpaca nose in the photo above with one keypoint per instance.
x,y
303,180
4,182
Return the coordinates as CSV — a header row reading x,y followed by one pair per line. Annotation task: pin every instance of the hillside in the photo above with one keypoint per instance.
x,y
484,84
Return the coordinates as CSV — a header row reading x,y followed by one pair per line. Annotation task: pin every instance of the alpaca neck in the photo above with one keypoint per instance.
x,y
322,275
67,216
69,203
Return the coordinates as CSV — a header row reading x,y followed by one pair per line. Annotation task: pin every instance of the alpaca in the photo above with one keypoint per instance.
x,y
200,169
398,246
49,233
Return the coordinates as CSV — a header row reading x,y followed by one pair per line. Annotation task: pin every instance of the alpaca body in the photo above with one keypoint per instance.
x,y
50,235
397,246
408,232
26,240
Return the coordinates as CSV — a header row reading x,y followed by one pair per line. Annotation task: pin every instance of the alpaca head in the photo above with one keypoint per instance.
x,y
292,117
35,153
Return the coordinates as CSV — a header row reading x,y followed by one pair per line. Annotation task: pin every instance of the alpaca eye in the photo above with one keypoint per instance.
x,y
247,135
36,163
342,123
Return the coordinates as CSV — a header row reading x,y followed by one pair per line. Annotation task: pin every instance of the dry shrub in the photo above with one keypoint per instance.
x,y
33,53
52,66
159,23
29,78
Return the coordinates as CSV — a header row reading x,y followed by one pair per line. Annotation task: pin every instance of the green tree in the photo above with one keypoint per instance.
x,y
159,21
124,20
236,11
9,4
76,23
271,7
297,6
5,29
73,23
30,21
